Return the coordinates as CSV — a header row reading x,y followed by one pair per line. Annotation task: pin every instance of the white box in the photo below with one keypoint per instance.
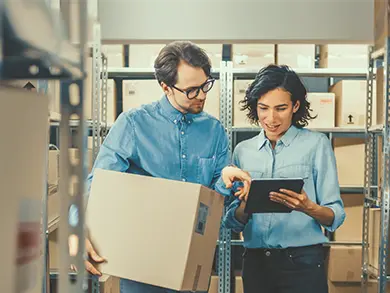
x,y
296,56
344,56
253,55
143,55
323,105
140,92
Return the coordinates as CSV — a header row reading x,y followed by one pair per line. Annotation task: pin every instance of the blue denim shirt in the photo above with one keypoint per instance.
x,y
157,140
299,153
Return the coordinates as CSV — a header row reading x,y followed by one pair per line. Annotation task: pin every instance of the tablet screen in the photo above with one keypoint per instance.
x,y
258,197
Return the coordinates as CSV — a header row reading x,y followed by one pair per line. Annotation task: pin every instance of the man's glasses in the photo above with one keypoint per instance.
x,y
193,92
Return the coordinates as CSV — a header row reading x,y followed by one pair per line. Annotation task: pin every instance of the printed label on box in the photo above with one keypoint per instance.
x,y
202,219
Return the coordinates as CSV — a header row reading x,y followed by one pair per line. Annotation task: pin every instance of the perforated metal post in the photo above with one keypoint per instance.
x,y
385,198
96,63
71,185
104,97
222,240
368,170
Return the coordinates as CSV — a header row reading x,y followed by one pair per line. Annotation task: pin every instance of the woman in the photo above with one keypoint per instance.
x,y
283,251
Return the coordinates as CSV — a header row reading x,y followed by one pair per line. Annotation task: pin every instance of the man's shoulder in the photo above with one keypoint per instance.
x,y
142,110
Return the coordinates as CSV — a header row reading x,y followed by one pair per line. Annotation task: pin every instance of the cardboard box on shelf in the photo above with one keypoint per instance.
x,y
323,106
139,92
351,96
239,116
213,100
350,170
351,229
114,54
23,170
109,284
239,288
344,287
143,55
296,56
54,167
344,56
379,97
344,263
381,23
181,263
253,55
214,51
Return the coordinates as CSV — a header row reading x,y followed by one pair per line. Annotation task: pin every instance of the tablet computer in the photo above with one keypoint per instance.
x,y
258,198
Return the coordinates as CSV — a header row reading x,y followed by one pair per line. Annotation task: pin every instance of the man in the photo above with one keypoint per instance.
x,y
171,138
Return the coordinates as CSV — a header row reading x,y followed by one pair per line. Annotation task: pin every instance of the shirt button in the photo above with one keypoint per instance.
x,y
267,253
183,156
184,180
182,132
175,121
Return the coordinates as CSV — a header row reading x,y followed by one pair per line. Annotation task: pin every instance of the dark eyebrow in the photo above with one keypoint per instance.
x,y
277,106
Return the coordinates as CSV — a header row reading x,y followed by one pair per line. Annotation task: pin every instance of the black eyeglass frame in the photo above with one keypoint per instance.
x,y
198,88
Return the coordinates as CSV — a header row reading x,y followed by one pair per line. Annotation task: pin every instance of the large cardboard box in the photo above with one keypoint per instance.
x,y
344,263
239,116
381,23
351,96
351,100
114,54
109,284
344,287
143,55
349,153
23,169
150,208
296,56
351,229
253,55
214,51
344,56
323,106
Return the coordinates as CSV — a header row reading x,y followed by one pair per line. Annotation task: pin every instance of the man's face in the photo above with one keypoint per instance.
x,y
189,77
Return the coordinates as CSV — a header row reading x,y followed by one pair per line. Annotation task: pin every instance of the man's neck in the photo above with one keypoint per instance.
x,y
175,105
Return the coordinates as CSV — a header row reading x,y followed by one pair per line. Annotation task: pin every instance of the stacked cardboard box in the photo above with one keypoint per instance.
x,y
296,56
344,56
253,55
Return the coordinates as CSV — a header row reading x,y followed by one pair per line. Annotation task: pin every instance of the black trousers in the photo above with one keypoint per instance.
x,y
291,270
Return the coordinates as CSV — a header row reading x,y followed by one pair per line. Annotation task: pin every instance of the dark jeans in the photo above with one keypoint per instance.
x,y
291,270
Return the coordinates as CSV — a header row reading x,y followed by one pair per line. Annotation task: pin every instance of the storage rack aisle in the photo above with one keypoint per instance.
x,y
377,174
51,56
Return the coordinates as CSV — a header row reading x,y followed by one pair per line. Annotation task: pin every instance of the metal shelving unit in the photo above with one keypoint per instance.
x,y
51,56
377,197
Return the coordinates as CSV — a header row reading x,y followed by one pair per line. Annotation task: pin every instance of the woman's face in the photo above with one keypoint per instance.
x,y
275,111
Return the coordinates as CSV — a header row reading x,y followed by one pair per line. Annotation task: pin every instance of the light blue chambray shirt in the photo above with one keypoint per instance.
x,y
157,140
299,153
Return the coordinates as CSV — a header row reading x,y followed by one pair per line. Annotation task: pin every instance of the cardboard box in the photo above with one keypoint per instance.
x,y
381,23
344,287
214,51
239,287
323,106
253,55
23,169
54,167
111,101
351,97
351,229
344,56
379,96
296,56
344,263
139,92
109,284
143,55
349,153
239,117
213,100
149,207
114,54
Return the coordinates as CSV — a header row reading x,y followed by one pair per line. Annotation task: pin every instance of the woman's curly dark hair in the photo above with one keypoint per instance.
x,y
274,77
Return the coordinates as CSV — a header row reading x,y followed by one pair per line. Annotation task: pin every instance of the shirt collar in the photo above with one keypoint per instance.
x,y
286,139
172,113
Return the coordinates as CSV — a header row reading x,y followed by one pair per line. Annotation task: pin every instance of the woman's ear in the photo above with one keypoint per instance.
x,y
296,106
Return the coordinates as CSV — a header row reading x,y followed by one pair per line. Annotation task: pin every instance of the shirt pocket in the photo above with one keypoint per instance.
x,y
294,171
206,170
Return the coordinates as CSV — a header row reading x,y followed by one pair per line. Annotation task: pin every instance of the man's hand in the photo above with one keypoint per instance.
x,y
293,200
73,247
231,174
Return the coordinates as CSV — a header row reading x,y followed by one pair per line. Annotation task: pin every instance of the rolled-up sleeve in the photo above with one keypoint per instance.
x,y
327,184
229,220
